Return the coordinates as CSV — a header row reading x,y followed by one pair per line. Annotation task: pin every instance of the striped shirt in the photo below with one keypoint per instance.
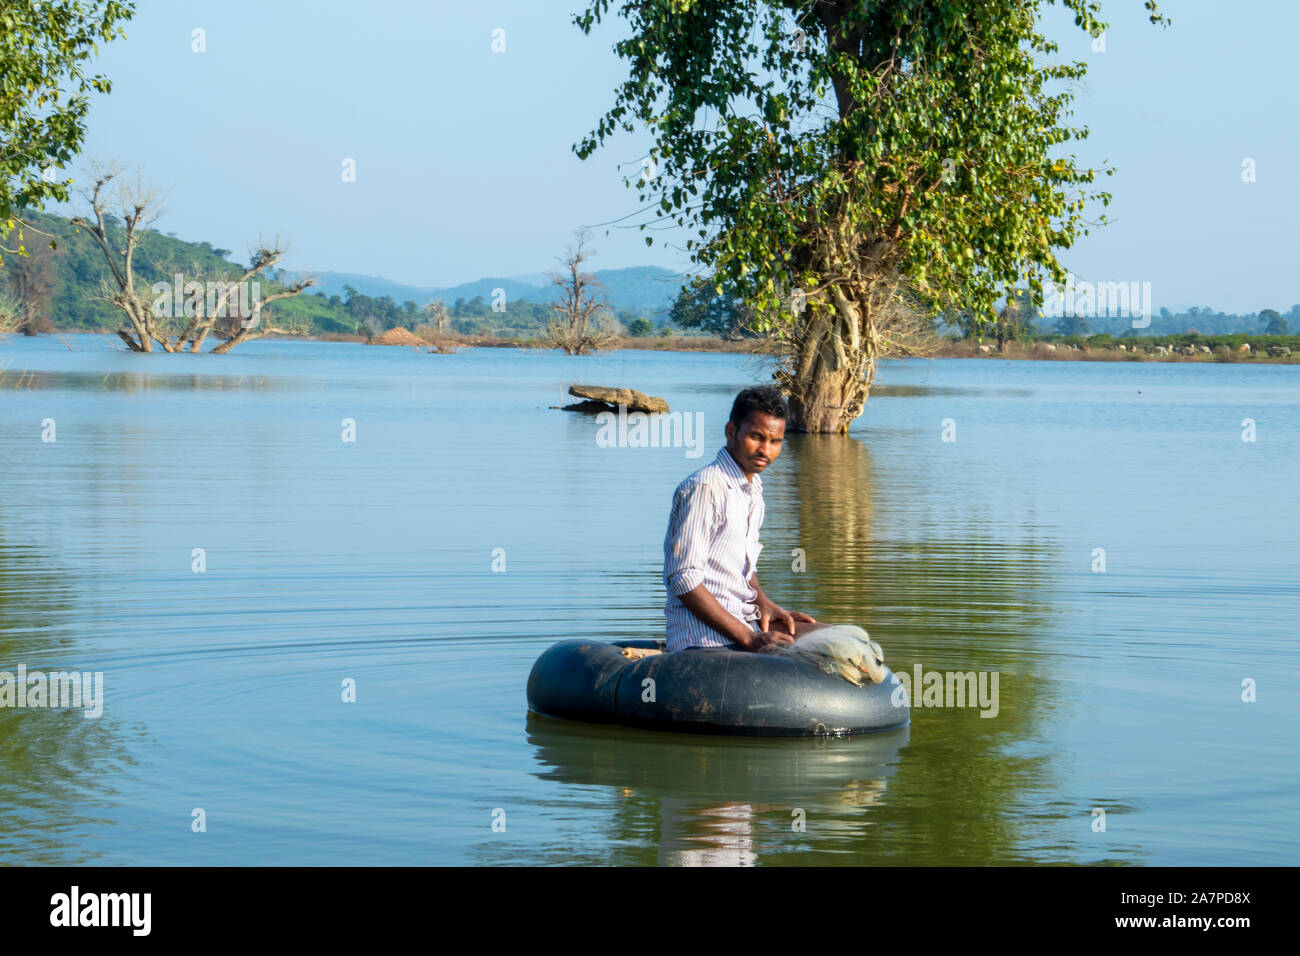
x,y
712,540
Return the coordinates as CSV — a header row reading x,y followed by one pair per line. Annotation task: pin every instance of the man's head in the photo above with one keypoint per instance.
x,y
756,428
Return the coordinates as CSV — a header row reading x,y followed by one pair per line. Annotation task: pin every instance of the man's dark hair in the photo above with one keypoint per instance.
x,y
763,398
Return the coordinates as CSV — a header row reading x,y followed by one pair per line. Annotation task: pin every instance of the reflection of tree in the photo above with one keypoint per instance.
x,y
133,382
953,597
49,758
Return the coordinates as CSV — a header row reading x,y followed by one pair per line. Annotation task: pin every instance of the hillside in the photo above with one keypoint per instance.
x,y
68,279
643,287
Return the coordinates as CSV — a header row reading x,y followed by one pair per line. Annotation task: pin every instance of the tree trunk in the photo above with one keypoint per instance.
x,y
820,403
132,344
833,362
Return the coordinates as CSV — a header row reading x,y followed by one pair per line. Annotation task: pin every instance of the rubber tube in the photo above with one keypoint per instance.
x,y
720,691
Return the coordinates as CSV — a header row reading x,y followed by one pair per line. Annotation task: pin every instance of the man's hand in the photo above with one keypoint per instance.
x,y
771,640
766,641
770,613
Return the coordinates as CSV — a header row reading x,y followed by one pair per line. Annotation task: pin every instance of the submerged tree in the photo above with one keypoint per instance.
x,y
230,305
902,147
580,325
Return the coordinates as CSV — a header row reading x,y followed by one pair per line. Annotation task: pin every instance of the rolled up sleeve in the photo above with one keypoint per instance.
x,y
696,512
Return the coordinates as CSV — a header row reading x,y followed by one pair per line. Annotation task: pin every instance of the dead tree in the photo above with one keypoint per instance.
x,y
580,325
140,206
171,318
235,329
435,314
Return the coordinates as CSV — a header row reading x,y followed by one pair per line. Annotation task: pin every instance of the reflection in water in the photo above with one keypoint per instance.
x,y
51,759
132,382
685,800
976,599
371,560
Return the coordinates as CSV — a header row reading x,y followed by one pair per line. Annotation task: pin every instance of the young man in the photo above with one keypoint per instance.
x,y
711,549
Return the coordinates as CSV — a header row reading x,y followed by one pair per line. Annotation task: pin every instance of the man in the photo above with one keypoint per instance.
x,y
711,549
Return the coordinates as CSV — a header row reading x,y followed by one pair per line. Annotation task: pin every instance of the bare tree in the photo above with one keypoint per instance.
x,y
11,313
173,319
31,282
580,325
235,330
435,314
140,206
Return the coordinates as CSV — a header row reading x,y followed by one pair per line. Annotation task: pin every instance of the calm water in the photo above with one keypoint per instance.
x,y
372,561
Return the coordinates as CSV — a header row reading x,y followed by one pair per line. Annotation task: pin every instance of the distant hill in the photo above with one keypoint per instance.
x,y
648,288
332,283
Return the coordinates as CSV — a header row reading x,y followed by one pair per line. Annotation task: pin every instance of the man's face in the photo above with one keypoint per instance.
x,y
756,441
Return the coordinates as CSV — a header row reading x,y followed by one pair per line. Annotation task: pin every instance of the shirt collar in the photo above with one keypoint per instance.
x,y
734,472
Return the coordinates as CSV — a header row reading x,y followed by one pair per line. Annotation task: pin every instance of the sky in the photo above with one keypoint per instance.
x,y
463,156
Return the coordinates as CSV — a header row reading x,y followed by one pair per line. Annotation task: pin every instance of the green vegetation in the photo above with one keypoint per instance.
x,y
45,95
1197,320
700,307
60,286
940,171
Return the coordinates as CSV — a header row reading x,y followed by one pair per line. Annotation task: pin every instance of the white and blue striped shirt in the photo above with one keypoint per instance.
x,y
712,540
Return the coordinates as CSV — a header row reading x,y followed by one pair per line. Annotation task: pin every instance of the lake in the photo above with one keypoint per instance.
x,y
1099,535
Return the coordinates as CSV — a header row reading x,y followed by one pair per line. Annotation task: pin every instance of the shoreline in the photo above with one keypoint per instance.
x,y
1015,351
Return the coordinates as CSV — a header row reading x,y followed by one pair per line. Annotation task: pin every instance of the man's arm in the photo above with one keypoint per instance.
x,y
706,607
696,512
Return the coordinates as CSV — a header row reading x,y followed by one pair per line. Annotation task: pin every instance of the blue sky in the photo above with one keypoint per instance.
x,y
464,165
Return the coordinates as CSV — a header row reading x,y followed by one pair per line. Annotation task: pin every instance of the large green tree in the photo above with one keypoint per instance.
x,y
45,95
833,154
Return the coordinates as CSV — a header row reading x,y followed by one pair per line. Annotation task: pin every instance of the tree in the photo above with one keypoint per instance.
x,y
640,327
11,313
435,313
1016,321
1072,325
580,325
45,95
31,280
223,305
701,306
1273,322
933,171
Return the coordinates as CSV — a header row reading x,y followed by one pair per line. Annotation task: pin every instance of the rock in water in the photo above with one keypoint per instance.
x,y
634,401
